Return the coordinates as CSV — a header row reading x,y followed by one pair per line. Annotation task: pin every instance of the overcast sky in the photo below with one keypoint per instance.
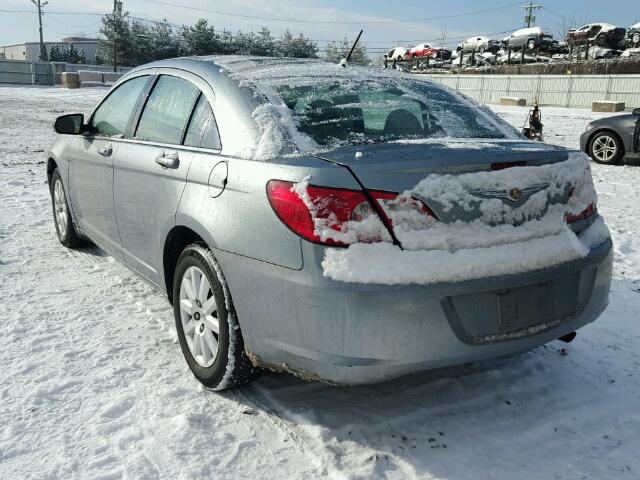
x,y
318,16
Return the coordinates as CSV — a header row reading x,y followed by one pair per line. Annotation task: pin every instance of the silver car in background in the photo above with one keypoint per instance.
x,y
204,183
479,45
532,38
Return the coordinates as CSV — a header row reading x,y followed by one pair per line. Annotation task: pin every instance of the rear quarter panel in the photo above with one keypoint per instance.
x,y
240,220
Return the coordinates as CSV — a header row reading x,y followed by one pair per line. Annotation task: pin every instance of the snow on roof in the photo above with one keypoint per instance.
x,y
528,31
274,71
277,127
605,26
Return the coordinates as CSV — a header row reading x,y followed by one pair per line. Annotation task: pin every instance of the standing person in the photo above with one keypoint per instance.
x,y
535,120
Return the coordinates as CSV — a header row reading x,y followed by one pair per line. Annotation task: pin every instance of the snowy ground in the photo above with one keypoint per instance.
x,y
92,382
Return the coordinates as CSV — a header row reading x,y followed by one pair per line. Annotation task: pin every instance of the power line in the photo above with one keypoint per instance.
x,y
450,40
332,22
50,13
555,13
74,26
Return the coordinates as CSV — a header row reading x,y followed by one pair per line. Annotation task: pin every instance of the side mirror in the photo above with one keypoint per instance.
x,y
69,124
636,111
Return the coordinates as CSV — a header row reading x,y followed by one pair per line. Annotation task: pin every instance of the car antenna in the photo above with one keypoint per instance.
x,y
345,61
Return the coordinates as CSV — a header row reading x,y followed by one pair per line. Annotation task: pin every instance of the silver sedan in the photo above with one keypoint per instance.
x,y
282,206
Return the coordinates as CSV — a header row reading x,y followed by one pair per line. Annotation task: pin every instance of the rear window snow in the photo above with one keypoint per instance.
x,y
358,112
311,106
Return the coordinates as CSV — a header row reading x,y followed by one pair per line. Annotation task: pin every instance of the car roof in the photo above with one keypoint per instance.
x,y
607,26
525,31
273,69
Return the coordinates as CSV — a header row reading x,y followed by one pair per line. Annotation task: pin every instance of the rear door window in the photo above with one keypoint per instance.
x,y
167,110
203,130
113,115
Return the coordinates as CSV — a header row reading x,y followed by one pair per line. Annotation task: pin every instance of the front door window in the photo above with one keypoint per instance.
x,y
112,116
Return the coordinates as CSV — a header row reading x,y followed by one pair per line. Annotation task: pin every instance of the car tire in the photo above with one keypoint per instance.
x,y
216,358
601,41
65,228
606,148
531,44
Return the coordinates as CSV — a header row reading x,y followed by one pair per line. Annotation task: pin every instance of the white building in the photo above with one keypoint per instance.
x,y
31,50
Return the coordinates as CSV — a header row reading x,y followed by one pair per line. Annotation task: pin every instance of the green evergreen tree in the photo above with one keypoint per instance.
x,y
337,51
164,43
199,39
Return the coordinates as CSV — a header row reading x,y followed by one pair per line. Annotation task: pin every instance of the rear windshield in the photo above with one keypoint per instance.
x,y
370,112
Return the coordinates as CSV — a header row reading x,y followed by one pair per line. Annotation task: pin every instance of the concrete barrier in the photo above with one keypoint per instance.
x,y
70,80
90,78
513,101
110,78
607,106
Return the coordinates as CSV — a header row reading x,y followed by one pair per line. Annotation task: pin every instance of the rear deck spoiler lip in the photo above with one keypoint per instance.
x,y
437,156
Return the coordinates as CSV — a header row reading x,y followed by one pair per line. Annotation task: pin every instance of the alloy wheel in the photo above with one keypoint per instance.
x,y
60,206
198,313
604,148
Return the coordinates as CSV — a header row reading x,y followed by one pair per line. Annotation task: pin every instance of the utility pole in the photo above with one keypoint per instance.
x,y
529,17
117,18
43,50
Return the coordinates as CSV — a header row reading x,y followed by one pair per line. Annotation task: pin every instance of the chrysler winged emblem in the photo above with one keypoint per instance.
x,y
515,194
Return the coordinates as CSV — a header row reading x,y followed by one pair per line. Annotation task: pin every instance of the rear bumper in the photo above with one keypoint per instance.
x,y
352,333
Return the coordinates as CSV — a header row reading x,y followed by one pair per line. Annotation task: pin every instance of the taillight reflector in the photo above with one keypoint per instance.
x,y
586,213
502,166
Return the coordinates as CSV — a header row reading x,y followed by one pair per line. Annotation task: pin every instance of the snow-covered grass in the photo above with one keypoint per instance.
x,y
93,384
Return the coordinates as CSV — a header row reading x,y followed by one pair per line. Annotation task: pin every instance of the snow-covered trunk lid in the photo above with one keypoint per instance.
x,y
464,181
466,212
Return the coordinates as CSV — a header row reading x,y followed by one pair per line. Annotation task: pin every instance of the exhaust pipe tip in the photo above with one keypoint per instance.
x,y
569,337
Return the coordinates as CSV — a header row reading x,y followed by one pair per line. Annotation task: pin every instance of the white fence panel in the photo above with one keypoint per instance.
x,y
554,90
557,90
626,89
586,89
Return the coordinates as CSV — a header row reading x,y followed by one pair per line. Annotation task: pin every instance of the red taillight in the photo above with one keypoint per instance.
x,y
586,213
337,210
333,205
393,204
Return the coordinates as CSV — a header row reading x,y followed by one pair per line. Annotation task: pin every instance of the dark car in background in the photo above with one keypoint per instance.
x,y
609,140
601,34
633,36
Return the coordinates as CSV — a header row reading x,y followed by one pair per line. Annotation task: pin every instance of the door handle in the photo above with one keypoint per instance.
x,y
106,151
168,160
